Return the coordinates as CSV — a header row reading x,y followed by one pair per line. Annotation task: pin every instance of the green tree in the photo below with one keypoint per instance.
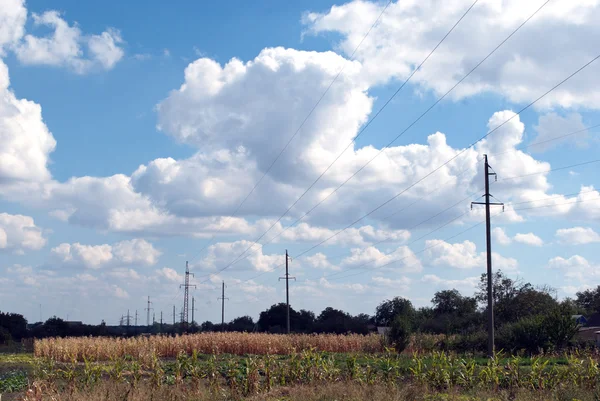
x,y
387,311
243,323
274,319
452,302
399,334
514,299
589,300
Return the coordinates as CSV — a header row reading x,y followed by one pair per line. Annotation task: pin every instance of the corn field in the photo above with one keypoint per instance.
x,y
104,349
260,374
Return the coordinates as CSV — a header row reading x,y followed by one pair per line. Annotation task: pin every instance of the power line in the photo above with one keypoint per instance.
x,y
556,138
359,134
456,156
301,124
448,208
456,235
402,133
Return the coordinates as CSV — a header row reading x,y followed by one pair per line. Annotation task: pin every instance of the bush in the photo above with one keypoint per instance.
x,y
399,334
543,332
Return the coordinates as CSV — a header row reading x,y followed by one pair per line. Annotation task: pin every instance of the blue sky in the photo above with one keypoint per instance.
x,y
130,135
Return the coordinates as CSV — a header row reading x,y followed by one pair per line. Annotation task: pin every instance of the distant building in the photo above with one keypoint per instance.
x,y
383,331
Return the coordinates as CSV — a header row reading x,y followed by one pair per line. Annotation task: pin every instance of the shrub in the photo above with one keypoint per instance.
x,y
399,334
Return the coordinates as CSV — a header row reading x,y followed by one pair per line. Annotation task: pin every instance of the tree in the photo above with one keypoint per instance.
x,y
274,320
452,302
207,326
14,324
389,309
514,299
399,334
589,300
243,323
332,320
305,321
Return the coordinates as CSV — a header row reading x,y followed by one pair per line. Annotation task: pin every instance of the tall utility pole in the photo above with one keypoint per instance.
x,y
161,321
287,288
193,309
136,318
153,318
148,309
173,315
186,295
222,299
488,237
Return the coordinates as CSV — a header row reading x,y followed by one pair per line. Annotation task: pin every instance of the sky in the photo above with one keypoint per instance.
x,y
136,139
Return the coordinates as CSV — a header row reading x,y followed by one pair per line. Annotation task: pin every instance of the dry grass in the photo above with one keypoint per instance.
x,y
346,391
103,349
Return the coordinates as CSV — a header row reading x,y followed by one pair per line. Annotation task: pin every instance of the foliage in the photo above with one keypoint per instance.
x,y
399,334
13,382
514,300
542,332
14,324
387,311
589,300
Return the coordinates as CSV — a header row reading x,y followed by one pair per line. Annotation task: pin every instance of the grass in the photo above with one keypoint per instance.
x,y
176,371
332,391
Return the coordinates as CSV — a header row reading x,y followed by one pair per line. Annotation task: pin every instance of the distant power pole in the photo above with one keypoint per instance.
x,y
161,322
490,295
153,318
193,309
135,318
186,285
148,309
222,299
287,288
173,315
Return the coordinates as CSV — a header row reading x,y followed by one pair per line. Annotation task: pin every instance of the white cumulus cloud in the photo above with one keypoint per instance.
x,y
577,235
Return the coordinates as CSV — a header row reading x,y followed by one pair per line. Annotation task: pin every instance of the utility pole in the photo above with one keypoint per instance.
x,y
490,295
222,299
153,318
186,285
193,309
287,288
148,308
161,322
173,315
135,326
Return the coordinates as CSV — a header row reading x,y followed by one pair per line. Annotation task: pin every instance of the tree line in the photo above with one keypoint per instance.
x,y
526,317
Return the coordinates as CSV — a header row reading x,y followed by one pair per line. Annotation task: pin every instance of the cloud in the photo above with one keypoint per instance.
x,y
529,239
170,275
119,292
575,268
466,284
13,15
68,47
401,259
402,284
552,125
500,236
26,141
18,233
577,235
464,256
319,261
136,252
223,254
551,46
